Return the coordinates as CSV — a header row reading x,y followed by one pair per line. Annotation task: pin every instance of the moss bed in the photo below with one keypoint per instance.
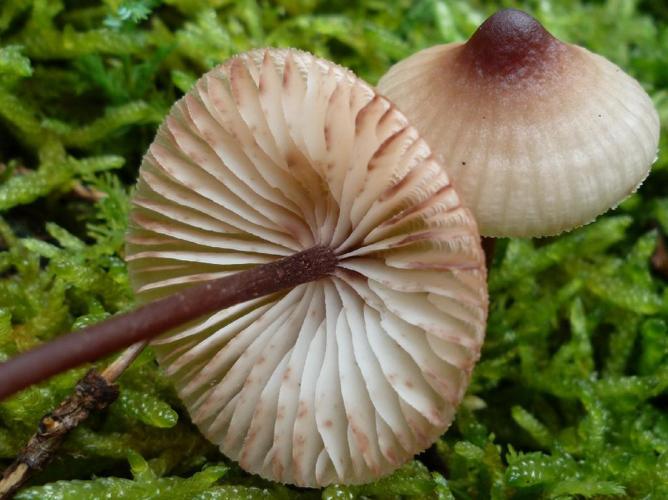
x,y
570,398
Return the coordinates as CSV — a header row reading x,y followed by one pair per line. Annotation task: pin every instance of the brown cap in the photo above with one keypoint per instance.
x,y
539,136
344,379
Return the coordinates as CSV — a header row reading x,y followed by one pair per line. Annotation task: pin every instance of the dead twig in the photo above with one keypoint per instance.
x,y
94,392
87,193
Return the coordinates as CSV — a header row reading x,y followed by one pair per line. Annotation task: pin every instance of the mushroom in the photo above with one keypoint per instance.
x,y
343,379
539,136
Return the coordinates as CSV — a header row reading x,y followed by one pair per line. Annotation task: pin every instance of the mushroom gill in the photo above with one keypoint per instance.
x,y
343,379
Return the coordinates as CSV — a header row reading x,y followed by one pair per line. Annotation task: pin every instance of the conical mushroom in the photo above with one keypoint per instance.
x,y
538,136
343,379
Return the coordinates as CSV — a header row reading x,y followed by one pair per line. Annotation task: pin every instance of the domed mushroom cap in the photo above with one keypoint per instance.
x,y
339,380
537,135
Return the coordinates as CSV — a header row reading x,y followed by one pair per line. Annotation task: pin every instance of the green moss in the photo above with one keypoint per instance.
x,y
570,398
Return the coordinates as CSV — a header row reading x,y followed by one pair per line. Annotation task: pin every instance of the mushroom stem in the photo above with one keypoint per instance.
x,y
489,246
660,257
154,318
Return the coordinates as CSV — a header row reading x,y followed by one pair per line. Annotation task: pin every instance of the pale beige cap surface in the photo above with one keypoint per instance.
x,y
537,135
344,379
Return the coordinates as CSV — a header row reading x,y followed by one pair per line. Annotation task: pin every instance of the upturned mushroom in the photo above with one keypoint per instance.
x,y
539,136
321,287
344,379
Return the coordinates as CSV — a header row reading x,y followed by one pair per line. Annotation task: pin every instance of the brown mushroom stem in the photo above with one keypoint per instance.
x,y
154,318
489,246
660,257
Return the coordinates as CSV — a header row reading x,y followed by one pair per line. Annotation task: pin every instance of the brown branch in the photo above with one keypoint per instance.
x,y
154,318
120,364
94,392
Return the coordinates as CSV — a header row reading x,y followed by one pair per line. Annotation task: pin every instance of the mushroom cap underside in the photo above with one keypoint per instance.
x,y
340,380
